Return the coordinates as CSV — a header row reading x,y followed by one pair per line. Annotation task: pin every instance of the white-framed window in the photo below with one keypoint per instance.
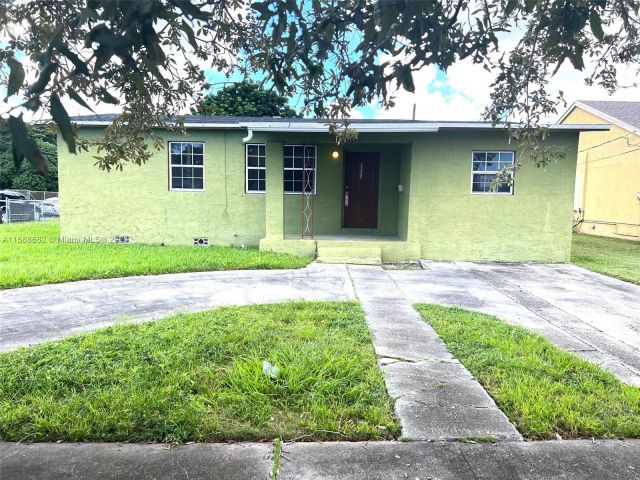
x,y
485,166
186,166
256,172
299,169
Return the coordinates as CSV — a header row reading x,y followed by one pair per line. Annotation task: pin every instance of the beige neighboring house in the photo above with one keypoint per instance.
x,y
607,193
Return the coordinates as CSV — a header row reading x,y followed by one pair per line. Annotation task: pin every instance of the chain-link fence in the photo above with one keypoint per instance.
x,y
13,211
37,194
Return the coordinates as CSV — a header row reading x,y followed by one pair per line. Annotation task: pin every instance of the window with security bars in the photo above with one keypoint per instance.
x,y
299,169
256,178
186,166
485,168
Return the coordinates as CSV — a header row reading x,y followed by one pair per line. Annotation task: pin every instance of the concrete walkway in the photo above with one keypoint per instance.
x,y
436,398
594,316
36,314
580,460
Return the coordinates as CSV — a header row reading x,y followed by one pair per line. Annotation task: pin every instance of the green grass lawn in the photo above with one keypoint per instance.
x,y
609,256
543,389
30,254
200,377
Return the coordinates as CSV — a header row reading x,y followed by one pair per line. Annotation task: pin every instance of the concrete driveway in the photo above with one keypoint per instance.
x,y
36,314
595,316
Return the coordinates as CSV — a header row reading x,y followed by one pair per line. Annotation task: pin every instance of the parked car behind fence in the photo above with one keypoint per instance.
x,y
16,207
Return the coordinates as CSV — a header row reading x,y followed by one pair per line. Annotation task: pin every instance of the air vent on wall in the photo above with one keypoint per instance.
x,y
121,239
200,242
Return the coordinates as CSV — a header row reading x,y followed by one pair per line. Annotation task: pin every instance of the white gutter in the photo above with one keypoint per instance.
x,y
502,126
101,123
317,127
249,136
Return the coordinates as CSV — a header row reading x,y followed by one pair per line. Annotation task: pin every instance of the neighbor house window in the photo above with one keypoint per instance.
x,y
486,166
299,168
186,166
255,166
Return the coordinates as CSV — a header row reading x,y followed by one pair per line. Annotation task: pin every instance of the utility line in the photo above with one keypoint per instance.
x,y
603,143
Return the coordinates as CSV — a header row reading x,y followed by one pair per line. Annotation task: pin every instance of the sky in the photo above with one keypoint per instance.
x,y
462,93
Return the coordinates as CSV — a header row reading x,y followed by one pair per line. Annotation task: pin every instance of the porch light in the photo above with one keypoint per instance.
x,y
335,154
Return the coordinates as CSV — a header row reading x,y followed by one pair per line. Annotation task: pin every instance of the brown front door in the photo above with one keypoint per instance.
x,y
361,178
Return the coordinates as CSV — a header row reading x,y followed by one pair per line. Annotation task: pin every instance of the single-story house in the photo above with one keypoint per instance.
x,y
403,190
607,194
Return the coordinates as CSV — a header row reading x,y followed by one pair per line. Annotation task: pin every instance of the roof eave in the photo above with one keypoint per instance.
x,y
598,113
307,127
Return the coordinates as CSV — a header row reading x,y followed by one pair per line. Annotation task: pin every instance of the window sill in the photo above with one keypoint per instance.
x,y
493,193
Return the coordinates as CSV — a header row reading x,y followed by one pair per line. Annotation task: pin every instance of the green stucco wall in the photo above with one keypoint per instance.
x,y
451,223
404,179
435,209
137,201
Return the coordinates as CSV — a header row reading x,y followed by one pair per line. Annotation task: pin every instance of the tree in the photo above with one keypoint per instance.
x,y
244,99
23,176
147,56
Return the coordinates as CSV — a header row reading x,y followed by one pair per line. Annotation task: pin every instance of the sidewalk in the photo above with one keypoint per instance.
x,y
579,459
436,398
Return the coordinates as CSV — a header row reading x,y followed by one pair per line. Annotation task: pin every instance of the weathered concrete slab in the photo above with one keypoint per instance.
x,y
436,398
111,461
36,314
572,307
579,460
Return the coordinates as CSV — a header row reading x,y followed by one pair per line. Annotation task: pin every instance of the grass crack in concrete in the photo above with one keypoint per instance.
x,y
277,451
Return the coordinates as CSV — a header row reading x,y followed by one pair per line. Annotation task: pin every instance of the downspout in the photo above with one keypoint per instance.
x,y
249,136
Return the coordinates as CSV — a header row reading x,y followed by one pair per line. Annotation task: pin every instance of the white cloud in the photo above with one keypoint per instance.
x,y
463,92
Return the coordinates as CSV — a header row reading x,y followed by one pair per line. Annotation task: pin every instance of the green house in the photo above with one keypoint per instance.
x,y
403,190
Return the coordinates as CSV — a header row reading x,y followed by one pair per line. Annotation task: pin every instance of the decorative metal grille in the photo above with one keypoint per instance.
x,y
308,189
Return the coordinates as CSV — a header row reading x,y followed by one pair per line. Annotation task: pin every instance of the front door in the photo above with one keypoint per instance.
x,y
361,178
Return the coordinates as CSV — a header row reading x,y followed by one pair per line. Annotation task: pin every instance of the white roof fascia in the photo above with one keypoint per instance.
x,y
382,127
502,126
317,127
582,127
102,123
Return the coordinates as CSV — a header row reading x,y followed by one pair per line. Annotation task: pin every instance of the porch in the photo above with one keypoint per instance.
x,y
350,204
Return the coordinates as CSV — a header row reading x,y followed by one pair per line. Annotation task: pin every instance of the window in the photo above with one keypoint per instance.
x,y
299,168
256,171
486,166
186,169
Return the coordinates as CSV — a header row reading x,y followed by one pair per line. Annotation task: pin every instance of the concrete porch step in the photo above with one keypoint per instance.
x,y
356,255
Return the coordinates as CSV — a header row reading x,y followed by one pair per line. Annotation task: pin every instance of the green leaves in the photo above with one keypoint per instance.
x,y
16,77
60,116
81,66
245,99
24,145
74,96
596,25
43,79
105,96
263,9
510,7
190,9
406,79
